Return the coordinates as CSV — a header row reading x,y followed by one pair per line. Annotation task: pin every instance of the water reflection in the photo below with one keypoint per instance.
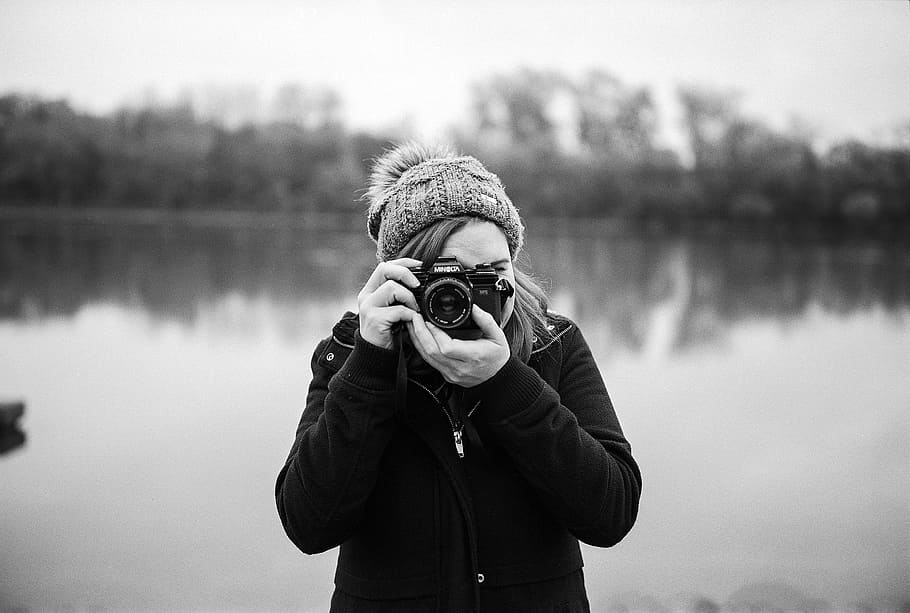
x,y
648,292
762,383
635,291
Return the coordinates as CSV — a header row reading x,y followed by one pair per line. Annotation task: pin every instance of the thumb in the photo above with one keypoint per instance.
x,y
486,323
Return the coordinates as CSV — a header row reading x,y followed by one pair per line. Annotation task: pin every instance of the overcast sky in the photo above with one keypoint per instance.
x,y
844,67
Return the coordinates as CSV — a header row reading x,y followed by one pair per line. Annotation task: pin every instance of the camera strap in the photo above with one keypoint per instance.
x,y
401,375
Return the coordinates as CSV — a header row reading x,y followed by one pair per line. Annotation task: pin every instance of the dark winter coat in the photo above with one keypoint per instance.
x,y
545,464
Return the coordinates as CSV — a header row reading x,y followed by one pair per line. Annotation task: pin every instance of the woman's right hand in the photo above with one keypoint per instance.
x,y
386,300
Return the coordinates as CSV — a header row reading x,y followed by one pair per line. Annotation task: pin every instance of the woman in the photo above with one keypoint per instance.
x,y
455,475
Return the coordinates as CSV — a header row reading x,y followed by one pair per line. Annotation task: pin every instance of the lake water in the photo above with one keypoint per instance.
x,y
764,386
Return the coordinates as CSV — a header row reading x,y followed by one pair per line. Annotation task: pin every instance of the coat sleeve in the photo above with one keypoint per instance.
x,y
567,443
346,425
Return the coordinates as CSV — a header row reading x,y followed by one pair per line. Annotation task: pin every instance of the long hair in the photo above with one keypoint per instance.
x,y
528,321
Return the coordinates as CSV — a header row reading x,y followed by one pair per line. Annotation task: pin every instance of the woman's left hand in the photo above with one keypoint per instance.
x,y
464,363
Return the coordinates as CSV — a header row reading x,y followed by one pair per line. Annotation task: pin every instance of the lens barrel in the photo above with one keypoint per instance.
x,y
447,302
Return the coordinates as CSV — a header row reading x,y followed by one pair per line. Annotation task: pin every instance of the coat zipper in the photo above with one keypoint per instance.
x,y
454,422
457,431
459,444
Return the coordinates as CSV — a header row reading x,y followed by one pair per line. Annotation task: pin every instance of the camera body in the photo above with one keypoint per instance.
x,y
447,291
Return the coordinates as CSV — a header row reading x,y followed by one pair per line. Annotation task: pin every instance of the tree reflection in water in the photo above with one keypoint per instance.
x,y
746,450
631,289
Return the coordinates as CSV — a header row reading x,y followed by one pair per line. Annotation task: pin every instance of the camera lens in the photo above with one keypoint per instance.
x,y
447,302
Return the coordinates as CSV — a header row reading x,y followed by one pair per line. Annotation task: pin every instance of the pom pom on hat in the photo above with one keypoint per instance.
x,y
413,186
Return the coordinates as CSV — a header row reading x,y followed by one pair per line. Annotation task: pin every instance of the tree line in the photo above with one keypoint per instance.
x,y
584,147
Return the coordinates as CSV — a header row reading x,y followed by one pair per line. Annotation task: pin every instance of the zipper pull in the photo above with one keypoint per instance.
x,y
459,444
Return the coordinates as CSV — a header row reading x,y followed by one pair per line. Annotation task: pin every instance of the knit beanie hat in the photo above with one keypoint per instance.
x,y
412,187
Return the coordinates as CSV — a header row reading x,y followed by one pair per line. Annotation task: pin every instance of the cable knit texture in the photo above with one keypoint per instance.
x,y
410,190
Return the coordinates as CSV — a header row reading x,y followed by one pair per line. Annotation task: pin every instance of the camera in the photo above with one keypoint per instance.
x,y
447,291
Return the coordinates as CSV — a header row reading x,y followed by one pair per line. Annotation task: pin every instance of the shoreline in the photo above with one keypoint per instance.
x,y
778,228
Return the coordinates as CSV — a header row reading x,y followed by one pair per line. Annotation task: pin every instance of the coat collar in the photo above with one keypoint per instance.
x,y
344,330
557,326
